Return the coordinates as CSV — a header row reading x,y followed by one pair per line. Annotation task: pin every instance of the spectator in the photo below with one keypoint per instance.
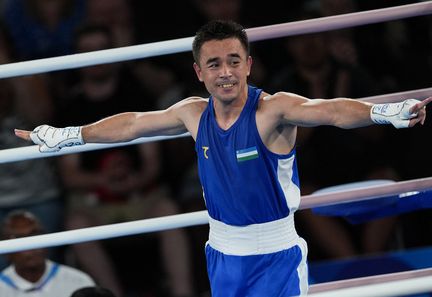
x,y
26,101
341,43
116,185
42,29
117,16
31,271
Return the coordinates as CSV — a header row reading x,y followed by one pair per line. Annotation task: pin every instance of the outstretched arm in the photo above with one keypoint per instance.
x,y
130,125
117,128
348,113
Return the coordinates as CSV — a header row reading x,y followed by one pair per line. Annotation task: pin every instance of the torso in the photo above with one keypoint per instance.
x,y
248,172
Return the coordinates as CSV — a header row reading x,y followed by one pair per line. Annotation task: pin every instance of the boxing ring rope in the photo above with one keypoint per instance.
x,y
364,193
376,286
200,217
32,151
384,285
398,96
185,44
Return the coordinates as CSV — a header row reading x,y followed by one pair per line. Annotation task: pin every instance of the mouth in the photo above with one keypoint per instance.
x,y
226,85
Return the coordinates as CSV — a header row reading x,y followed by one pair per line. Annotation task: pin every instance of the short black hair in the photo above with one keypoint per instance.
x,y
14,215
219,30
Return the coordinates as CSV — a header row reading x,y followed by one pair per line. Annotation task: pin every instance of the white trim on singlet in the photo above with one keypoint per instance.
x,y
285,172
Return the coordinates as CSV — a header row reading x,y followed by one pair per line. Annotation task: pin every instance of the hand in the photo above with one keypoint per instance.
x,y
419,110
51,139
401,114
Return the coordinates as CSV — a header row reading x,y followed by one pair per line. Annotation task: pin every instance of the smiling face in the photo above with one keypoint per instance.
x,y
223,67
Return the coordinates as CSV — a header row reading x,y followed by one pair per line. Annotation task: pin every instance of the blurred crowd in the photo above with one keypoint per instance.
x,y
158,179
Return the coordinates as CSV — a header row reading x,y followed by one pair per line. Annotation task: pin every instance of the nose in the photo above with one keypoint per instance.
x,y
225,71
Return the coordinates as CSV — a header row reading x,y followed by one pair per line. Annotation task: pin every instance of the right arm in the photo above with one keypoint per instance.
x,y
179,118
131,125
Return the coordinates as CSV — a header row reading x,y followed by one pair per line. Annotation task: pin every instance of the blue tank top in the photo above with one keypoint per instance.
x,y
243,182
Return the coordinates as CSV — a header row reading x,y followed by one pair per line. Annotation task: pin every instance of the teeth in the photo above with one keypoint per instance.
x,y
227,85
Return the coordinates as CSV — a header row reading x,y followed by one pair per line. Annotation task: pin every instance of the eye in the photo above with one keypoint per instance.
x,y
235,62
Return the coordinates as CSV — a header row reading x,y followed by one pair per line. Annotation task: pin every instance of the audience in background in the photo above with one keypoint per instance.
x,y
42,29
30,184
355,62
117,15
31,273
121,184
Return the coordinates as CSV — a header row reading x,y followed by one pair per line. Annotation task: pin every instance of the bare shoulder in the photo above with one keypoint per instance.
x,y
190,107
277,103
282,98
189,111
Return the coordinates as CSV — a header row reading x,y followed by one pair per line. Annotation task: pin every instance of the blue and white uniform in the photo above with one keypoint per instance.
x,y
251,195
57,281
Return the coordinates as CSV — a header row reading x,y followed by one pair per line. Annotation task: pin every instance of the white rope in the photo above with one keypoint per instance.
x,y
340,21
194,218
185,44
365,193
104,232
419,94
32,152
387,285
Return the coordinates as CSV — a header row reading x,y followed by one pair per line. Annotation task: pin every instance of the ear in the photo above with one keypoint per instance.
x,y
197,71
249,64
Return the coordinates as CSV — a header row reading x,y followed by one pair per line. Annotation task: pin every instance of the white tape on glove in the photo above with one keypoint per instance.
x,y
397,114
51,139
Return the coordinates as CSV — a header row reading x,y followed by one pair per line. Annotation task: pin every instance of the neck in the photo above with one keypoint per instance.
x,y
227,112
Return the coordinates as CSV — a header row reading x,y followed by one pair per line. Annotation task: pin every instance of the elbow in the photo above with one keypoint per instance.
x,y
127,129
130,130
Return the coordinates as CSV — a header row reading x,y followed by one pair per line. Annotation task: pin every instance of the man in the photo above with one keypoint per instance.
x,y
245,142
31,273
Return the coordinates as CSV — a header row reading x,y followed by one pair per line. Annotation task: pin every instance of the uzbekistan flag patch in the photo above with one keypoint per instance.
x,y
247,154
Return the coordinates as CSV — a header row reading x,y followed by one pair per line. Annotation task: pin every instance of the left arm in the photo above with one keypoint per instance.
x,y
346,113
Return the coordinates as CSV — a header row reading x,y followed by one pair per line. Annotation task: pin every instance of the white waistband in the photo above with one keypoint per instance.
x,y
255,239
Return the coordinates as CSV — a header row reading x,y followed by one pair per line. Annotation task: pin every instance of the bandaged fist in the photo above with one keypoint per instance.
x,y
401,115
51,139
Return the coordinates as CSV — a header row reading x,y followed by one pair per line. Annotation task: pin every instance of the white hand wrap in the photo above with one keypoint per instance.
x,y
397,114
51,139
